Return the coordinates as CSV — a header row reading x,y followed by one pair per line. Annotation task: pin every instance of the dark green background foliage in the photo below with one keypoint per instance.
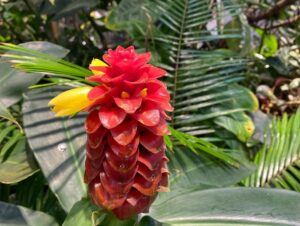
x,y
233,75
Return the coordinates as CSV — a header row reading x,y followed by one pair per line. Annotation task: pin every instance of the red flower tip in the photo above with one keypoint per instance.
x,y
126,162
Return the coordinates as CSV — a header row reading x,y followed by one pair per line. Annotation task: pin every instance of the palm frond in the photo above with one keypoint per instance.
x,y
198,146
31,60
200,78
278,160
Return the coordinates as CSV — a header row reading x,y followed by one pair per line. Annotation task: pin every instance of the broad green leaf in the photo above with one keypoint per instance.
x,y
278,64
110,220
64,8
189,171
148,221
238,123
14,82
13,215
5,113
230,206
58,145
81,213
85,213
17,164
270,43
246,99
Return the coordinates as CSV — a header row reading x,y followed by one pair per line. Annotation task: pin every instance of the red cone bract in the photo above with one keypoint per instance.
x,y
125,162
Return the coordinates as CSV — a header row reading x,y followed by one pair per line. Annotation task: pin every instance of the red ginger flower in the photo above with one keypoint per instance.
x,y
125,159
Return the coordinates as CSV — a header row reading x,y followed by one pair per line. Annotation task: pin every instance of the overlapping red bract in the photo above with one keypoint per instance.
x,y
126,162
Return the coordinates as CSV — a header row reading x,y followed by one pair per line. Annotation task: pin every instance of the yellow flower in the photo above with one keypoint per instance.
x,y
97,63
71,101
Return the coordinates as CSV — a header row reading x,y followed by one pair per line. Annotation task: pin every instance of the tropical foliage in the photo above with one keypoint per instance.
x,y
232,72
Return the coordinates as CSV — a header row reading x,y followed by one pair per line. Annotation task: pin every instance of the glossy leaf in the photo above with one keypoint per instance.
x,y
17,215
81,213
198,145
190,171
5,113
17,163
14,82
238,123
85,213
230,206
64,8
58,145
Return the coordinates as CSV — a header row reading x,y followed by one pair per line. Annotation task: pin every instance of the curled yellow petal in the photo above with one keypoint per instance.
x,y
97,63
71,101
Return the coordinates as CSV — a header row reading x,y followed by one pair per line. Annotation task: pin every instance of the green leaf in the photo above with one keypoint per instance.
x,y
238,123
81,213
168,142
190,171
198,145
31,60
129,14
11,141
58,145
278,159
14,82
5,113
202,82
5,131
17,164
270,43
63,8
13,215
230,206
85,213
148,221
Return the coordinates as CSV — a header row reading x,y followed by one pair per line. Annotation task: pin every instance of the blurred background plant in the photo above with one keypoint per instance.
x,y
233,74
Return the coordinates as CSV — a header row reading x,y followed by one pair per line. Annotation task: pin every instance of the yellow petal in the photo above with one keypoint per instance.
x,y
65,112
69,95
71,101
97,63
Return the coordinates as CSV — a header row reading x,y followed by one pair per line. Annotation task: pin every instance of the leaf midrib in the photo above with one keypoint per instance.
x,y
177,61
73,154
280,172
